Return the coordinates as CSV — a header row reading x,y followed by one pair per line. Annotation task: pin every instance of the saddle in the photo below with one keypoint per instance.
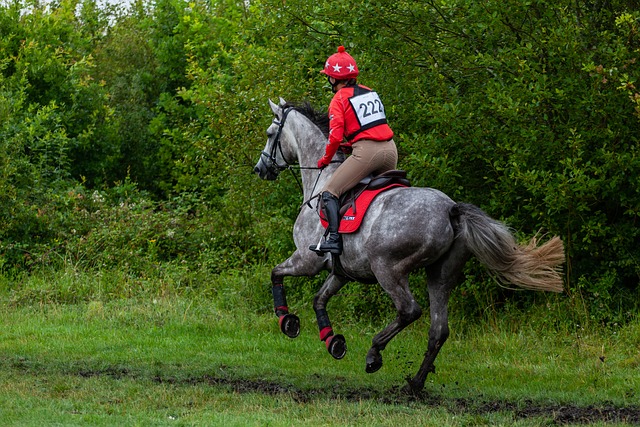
x,y
372,183
354,203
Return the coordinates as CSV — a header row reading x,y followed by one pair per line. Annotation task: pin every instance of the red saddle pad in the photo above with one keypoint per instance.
x,y
350,222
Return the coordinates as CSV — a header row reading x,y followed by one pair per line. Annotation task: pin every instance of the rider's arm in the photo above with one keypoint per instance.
x,y
336,128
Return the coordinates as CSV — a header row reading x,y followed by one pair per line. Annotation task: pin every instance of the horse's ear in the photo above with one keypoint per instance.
x,y
282,102
276,110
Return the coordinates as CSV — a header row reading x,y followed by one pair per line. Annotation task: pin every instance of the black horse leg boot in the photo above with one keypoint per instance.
x,y
333,242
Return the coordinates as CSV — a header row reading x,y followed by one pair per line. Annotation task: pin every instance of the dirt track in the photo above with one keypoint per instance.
x,y
559,414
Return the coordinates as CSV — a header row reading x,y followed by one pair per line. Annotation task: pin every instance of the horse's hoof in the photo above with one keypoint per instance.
x,y
374,362
290,325
412,387
337,346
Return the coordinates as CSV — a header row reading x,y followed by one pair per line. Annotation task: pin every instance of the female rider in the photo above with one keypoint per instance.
x,y
357,123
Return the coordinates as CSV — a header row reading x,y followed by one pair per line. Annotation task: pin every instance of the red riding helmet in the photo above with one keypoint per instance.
x,y
341,66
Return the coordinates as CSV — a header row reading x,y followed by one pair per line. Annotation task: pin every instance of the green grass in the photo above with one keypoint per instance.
x,y
183,361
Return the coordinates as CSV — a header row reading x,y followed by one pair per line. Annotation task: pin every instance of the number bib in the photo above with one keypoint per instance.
x,y
369,110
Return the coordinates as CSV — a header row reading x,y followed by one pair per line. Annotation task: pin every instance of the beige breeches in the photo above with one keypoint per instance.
x,y
368,157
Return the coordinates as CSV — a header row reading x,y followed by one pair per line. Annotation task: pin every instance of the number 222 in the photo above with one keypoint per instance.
x,y
376,108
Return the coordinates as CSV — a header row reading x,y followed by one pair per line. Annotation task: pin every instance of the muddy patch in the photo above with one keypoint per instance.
x,y
558,414
551,413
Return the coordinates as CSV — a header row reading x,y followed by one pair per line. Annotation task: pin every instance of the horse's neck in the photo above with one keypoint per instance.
x,y
310,148
313,181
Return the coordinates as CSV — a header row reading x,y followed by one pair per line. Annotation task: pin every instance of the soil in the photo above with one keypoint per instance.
x,y
558,414
553,414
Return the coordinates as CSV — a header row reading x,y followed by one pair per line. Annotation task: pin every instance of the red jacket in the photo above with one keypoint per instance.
x,y
355,113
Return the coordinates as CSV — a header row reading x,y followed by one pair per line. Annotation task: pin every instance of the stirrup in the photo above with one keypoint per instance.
x,y
335,247
316,248
334,251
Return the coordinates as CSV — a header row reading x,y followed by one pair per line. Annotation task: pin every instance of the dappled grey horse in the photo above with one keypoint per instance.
x,y
405,229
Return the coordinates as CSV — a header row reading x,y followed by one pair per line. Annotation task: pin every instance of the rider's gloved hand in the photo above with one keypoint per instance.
x,y
323,162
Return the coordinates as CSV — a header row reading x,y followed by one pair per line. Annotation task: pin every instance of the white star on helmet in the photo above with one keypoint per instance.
x,y
337,68
351,68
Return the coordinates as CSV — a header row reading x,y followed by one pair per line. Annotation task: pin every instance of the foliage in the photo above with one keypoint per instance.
x,y
128,136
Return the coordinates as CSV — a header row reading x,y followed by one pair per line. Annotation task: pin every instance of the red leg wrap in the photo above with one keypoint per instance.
x,y
326,333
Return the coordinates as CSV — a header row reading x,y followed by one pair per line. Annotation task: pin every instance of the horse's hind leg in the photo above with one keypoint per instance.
x,y
408,312
336,344
442,277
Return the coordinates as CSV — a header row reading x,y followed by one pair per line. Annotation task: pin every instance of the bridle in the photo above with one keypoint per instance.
x,y
274,168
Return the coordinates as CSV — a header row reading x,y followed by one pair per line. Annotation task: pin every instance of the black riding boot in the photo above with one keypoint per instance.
x,y
331,209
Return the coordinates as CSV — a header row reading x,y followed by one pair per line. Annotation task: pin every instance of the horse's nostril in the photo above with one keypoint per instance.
x,y
256,170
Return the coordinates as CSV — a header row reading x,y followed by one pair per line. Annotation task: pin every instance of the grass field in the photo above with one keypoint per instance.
x,y
182,361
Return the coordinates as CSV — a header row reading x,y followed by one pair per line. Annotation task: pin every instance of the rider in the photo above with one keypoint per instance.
x,y
357,124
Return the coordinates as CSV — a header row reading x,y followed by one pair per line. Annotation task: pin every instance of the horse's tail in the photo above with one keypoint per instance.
x,y
492,242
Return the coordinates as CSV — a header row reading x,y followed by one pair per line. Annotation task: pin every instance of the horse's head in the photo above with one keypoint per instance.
x,y
276,155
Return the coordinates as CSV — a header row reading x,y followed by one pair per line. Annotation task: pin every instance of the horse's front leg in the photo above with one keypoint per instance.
x,y
336,344
296,265
289,323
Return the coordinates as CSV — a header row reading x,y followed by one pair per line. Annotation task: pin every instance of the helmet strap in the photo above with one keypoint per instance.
x,y
336,82
333,82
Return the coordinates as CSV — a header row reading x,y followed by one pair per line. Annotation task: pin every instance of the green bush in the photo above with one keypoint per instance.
x,y
128,137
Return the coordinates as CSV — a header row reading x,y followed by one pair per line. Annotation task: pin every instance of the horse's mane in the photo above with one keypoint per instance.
x,y
320,119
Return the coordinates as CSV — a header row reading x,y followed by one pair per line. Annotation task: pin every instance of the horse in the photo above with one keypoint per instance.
x,y
405,229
